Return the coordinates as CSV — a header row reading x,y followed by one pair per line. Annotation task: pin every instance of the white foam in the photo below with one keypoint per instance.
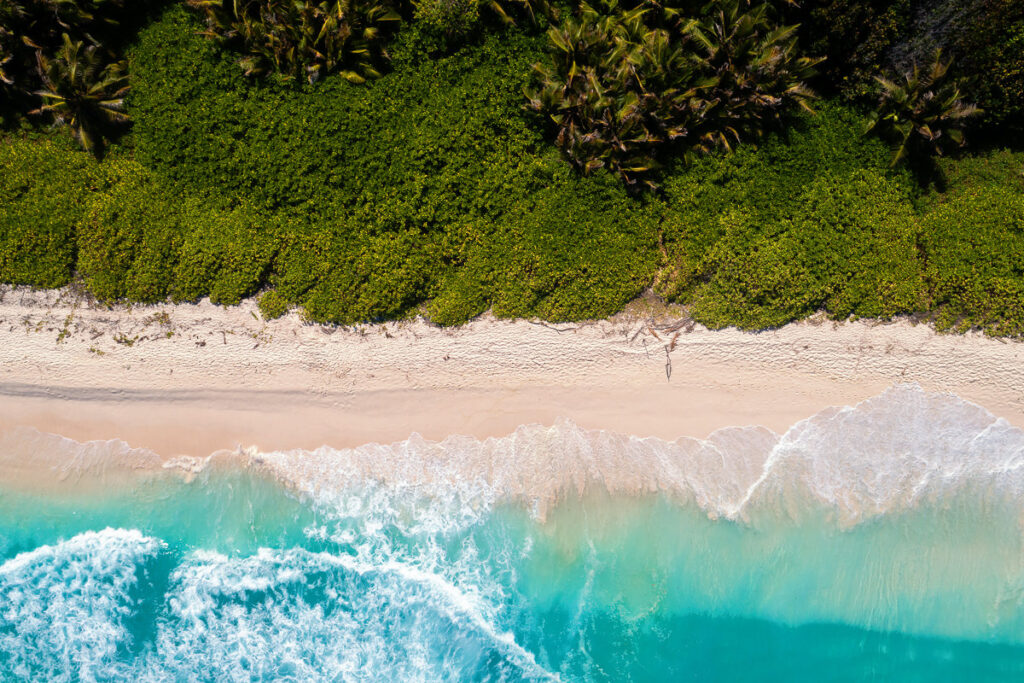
x,y
886,454
312,616
63,606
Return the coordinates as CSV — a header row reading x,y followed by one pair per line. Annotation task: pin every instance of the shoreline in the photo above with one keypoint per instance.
x,y
192,379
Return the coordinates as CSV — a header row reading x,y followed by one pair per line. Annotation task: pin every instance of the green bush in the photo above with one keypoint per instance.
x,y
849,249
413,187
810,220
576,249
226,254
766,183
432,190
44,191
128,243
272,305
973,242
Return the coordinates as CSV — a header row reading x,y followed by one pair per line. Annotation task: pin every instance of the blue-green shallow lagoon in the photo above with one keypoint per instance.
x,y
872,559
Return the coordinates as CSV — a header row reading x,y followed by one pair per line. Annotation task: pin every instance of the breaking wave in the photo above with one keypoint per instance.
x,y
882,540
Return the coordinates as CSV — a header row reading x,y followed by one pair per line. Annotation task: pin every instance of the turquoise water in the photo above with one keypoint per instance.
x,y
881,542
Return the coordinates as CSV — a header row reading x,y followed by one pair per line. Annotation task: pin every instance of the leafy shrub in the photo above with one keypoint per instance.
x,y
576,249
444,24
752,238
432,190
850,249
973,241
226,254
44,192
129,241
272,305
766,182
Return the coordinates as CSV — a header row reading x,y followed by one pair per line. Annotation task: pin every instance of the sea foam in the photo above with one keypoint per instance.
x,y
886,537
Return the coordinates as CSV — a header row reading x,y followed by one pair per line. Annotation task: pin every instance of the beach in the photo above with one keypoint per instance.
x,y
191,379
189,491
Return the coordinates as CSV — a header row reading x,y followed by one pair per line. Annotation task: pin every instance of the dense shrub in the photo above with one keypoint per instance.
x,y
413,187
433,190
769,235
849,249
324,149
576,249
225,255
129,241
44,190
973,242
272,305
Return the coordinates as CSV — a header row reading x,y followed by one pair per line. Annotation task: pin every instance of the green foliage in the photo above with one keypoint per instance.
x,y
769,235
973,242
82,92
272,305
990,58
432,190
923,114
854,36
225,254
627,86
849,250
445,23
303,39
44,190
415,187
126,231
129,241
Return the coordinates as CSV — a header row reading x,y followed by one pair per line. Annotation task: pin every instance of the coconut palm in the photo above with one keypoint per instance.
x,y
922,114
303,39
754,73
11,14
82,92
628,85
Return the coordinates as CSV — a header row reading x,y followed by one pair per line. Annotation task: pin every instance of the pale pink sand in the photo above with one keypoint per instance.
x,y
192,379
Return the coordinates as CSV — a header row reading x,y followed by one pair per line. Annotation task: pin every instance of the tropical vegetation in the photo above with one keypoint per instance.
x,y
756,160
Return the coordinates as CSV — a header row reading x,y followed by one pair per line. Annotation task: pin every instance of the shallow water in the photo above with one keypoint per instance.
x,y
879,542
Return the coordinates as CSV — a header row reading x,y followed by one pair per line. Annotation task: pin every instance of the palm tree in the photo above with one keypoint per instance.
x,y
303,39
11,13
82,92
627,85
753,72
922,114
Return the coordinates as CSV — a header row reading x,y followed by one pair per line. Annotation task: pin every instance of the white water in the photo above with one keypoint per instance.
x,y
457,560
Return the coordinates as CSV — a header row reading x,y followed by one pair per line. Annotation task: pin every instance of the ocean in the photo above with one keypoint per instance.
x,y
876,542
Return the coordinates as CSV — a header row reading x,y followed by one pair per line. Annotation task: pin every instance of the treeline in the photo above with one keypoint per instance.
x,y
625,85
368,161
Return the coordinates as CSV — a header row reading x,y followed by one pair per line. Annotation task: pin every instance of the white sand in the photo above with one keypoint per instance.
x,y
191,379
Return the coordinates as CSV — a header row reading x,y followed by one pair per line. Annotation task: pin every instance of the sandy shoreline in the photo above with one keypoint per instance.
x,y
192,379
